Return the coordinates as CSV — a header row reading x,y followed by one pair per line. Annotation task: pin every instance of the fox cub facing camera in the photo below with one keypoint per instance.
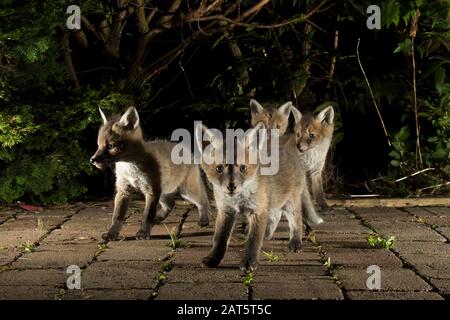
x,y
145,166
240,188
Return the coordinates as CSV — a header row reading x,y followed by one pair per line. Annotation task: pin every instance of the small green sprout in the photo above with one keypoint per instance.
x,y
380,242
327,263
248,279
27,247
270,256
175,242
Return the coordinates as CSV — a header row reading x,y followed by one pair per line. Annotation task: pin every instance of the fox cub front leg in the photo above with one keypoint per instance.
x,y
149,215
257,228
121,203
224,225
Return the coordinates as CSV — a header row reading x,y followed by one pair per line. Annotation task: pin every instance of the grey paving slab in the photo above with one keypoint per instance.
x,y
418,267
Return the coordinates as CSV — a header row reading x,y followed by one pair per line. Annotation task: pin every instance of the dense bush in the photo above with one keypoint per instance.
x,y
204,61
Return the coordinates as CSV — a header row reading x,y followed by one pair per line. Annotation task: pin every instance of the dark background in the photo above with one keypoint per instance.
x,y
52,84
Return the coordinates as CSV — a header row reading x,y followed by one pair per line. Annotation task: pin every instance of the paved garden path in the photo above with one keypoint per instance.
x,y
37,248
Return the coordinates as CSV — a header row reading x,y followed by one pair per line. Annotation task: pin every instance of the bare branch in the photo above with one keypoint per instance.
x,y
91,28
371,94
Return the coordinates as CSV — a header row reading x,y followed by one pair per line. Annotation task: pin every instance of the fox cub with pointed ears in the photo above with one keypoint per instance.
x,y
313,134
240,189
145,166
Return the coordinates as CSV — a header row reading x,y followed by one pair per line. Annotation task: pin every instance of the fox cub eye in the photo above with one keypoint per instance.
x,y
243,168
110,146
219,169
312,135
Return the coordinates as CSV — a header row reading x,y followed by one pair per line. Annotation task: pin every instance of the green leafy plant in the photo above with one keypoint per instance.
x,y
175,242
327,263
379,242
101,248
270,256
248,279
27,247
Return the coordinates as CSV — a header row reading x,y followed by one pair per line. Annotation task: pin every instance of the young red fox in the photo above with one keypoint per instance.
x,y
145,167
274,118
314,139
240,188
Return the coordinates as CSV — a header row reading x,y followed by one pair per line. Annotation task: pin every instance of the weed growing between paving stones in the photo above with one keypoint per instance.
x,y
270,256
167,267
175,242
27,247
248,279
328,264
101,248
380,242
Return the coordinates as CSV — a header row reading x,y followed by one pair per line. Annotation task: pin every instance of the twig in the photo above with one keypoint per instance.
x,y
414,174
413,32
371,94
435,186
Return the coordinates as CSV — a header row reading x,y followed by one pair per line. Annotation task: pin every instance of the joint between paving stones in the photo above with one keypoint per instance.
x,y
330,269
37,243
405,263
447,240
167,266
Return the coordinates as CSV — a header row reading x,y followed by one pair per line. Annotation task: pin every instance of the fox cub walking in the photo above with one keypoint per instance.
x,y
278,118
145,167
314,135
239,188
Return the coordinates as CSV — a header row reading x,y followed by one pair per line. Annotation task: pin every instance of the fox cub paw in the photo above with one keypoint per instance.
x,y
210,262
248,265
158,220
110,236
142,235
295,245
203,223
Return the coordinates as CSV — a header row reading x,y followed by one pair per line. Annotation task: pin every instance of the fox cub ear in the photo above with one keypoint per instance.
x,y
285,109
130,119
297,114
103,116
256,137
326,115
205,136
255,107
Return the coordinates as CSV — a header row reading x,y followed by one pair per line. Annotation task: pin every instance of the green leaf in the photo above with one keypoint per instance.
x,y
391,13
404,46
395,154
395,163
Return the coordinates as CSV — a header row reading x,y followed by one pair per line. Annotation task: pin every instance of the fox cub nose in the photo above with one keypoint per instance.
x,y
231,187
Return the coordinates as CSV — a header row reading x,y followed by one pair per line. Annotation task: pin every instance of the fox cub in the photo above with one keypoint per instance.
x,y
315,135
146,167
240,188
278,118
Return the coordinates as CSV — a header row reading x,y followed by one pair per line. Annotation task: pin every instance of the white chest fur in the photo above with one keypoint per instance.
x,y
313,160
130,174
